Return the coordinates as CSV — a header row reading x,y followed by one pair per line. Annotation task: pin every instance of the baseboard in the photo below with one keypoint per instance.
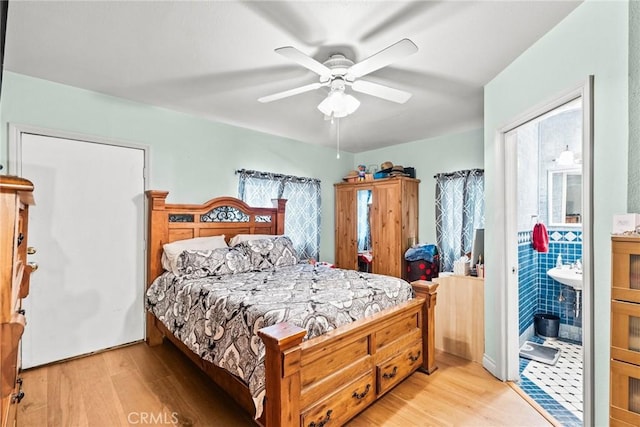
x,y
490,365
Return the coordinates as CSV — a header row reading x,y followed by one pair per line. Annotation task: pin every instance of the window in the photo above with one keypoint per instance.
x,y
302,219
459,211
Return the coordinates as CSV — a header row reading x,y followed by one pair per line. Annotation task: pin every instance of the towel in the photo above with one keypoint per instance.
x,y
540,238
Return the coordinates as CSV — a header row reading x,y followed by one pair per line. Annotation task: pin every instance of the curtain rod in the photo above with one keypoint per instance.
x,y
275,175
446,174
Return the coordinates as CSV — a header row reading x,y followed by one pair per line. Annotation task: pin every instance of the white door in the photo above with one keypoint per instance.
x,y
88,229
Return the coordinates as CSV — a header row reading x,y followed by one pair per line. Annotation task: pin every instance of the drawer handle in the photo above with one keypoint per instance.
x,y
414,358
20,239
324,420
22,311
33,265
359,396
17,397
31,250
391,374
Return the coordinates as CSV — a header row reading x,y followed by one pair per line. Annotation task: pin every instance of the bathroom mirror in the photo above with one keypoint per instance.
x,y
565,197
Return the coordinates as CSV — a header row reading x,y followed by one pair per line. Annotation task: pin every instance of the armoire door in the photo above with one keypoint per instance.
x,y
346,218
88,229
386,226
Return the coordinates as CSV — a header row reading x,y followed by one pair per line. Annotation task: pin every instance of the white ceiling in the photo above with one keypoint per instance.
x,y
215,59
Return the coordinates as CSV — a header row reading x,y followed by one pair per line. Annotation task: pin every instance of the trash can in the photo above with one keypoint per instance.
x,y
546,325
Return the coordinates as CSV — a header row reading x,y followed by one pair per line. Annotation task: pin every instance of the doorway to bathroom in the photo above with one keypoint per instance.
x,y
548,229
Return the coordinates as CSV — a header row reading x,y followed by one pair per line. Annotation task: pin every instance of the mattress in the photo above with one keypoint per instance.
x,y
218,317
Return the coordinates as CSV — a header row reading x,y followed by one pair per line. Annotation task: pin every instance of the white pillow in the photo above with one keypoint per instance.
x,y
239,238
173,250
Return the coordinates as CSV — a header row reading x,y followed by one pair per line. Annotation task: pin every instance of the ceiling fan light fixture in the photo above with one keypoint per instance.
x,y
338,72
351,104
338,104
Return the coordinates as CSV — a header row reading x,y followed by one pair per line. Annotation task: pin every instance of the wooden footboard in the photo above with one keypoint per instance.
x,y
337,375
333,377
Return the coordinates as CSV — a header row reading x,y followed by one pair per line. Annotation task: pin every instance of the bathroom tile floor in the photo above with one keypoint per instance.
x,y
557,388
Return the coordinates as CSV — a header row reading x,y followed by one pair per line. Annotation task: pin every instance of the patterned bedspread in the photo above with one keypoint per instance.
x,y
218,317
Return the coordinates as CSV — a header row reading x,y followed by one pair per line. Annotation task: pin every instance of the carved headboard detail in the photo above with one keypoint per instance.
x,y
222,215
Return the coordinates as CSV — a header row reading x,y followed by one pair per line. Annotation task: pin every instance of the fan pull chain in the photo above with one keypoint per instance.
x,y
338,139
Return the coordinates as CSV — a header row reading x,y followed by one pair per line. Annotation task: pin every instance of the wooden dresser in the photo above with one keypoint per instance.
x,y
625,331
390,206
16,194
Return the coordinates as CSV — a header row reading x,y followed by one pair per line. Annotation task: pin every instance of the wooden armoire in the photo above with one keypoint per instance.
x,y
392,218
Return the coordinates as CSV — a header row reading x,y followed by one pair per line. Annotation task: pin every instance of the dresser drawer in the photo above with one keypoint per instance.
x,y
325,386
23,290
10,335
614,422
625,392
10,405
625,332
334,360
15,286
394,370
12,414
625,271
403,326
342,405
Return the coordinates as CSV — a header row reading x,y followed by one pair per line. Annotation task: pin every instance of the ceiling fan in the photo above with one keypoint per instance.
x,y
338,72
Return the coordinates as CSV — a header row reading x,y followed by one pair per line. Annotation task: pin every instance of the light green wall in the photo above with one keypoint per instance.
x,y
194,159
431,156
592,40
634,107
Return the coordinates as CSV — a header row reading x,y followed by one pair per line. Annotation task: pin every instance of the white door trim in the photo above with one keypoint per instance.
x,y
507,359
15,131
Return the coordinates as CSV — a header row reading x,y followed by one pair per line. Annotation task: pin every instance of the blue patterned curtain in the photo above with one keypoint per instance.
x,y
302,220
459,211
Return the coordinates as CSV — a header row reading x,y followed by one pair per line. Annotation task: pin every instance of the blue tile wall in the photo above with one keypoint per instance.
x,y
567,244
538,293
527,281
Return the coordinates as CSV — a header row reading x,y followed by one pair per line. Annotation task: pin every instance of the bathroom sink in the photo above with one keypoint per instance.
x,y
567,276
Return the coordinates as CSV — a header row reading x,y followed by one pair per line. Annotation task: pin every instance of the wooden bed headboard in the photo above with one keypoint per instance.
x,y
222,215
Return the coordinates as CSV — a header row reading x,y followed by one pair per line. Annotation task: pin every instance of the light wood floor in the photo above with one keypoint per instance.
x,y
141,385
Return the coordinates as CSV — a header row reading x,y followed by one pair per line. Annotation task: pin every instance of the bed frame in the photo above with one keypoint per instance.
x,y
322,381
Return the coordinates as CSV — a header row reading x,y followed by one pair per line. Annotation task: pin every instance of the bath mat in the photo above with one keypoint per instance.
x,y
539,353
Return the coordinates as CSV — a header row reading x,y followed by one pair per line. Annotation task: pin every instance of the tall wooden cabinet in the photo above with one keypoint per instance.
x,y
392,217
625,331
16,194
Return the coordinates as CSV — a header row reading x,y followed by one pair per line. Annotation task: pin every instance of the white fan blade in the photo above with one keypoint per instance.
x,y
306,61
391,54
290,92
384,92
